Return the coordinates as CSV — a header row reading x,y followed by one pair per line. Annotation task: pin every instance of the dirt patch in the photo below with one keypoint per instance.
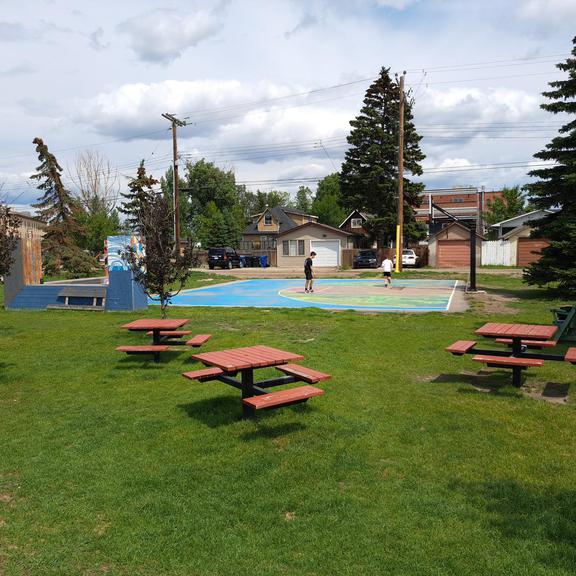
x,y
552,392
490,303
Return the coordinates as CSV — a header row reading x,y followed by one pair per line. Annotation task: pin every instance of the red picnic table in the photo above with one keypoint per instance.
x,y
156,326
519,337
225,364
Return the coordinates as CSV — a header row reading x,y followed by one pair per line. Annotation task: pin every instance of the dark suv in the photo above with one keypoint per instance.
x,y
223,258
366,259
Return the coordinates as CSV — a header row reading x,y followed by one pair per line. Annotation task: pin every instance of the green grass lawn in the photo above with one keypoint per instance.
x,y
116,465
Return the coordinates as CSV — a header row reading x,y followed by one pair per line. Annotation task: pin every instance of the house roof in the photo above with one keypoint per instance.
x,y
279,214
363,214
323,226
519,230
27,216
450,226
522,218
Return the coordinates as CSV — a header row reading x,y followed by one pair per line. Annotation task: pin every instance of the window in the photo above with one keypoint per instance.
x,y
457,200
293,248
356,223
268,220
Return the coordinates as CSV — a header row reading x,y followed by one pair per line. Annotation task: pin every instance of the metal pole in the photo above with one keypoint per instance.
x,y
472,257
400,233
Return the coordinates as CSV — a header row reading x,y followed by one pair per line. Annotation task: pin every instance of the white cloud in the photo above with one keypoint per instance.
x,y
161,36
548,11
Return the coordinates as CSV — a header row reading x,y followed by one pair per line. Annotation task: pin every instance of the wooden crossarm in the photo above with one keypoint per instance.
x,y
283,398
528,343
508,362
198,340
148,349
303,373
460,347
205,374
570,355
171,333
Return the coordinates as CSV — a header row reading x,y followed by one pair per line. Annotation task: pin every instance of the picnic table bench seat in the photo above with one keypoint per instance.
x,y
171,333
460,347
204,374
283,397
570,355
508,361
155,349
198,340
303,373
528,343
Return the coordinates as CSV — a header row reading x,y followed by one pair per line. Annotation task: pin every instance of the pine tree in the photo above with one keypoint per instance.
x,y
61,213
369,176
556,189
139,197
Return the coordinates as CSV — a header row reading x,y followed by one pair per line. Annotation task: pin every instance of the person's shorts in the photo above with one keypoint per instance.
x,y
308,275
387,274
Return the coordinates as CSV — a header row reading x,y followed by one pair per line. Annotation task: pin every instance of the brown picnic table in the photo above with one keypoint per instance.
x,y
156,326
519,338
226,364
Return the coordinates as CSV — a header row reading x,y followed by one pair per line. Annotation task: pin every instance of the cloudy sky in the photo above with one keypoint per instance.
x,y
268,87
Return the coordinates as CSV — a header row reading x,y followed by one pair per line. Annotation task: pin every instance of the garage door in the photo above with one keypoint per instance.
x,y
453,254
327,252
529,250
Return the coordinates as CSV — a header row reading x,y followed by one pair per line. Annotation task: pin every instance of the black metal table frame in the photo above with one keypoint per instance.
x,y
518,351
249,388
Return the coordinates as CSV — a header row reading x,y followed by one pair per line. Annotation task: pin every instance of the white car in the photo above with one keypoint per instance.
x,y
409,258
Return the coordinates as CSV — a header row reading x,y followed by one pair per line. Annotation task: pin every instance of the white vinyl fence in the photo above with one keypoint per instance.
x,y
498,253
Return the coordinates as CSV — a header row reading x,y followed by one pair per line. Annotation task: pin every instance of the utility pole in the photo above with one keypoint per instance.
x,y
400,225
175,183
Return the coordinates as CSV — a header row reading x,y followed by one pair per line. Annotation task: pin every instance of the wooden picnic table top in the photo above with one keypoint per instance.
x,y
156,324
528,331
235,359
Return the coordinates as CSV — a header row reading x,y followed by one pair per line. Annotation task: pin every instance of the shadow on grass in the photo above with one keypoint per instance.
x,y
140,361
215,412
524,293
493,383
542,516
4,376
266,431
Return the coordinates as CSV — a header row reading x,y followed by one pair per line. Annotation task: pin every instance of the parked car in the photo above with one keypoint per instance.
x,y
225,257
366,259
409,258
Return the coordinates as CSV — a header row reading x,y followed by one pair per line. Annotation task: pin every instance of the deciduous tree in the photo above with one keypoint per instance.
x,y
9,224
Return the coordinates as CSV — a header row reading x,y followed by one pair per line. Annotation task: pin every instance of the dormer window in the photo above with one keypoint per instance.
x,y
268,220
356,223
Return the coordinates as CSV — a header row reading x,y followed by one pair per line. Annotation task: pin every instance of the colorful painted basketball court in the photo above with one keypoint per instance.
x,y
332,294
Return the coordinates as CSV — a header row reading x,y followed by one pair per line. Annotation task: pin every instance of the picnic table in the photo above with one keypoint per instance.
x,y
519,338
156,326
163,332
226,364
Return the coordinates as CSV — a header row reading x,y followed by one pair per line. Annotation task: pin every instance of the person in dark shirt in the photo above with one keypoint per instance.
x,y
309,286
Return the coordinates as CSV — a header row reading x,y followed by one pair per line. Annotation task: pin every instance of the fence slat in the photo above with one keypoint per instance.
x,y
497,253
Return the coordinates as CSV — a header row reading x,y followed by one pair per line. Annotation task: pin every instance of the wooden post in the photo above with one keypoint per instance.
x,y
400,233
175,182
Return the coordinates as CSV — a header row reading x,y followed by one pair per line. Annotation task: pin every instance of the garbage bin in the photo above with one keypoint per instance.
x,y
242,261
264,261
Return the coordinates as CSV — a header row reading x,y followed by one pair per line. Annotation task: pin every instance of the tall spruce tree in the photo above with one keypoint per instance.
x,y
369,176
556,189
59,209
140,195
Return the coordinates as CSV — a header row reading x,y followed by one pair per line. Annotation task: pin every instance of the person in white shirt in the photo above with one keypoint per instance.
x,y
387,269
